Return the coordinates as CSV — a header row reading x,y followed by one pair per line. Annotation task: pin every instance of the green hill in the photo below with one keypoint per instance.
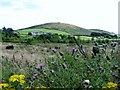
x,y
60,28
100,31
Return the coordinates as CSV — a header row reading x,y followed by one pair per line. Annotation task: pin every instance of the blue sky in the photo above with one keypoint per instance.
x,y
90,14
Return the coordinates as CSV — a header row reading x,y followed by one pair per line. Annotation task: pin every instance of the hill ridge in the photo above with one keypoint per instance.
x,y
65,27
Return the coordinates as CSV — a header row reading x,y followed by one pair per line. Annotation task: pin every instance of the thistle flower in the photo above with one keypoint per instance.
x,y
113,44
114,75
40,66
35,75
73,50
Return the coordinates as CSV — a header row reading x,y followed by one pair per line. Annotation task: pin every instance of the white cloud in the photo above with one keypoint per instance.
x,y
102,14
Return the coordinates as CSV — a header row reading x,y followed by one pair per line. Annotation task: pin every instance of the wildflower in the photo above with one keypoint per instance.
x,y
18,78
110,86
40,66
73,50
3,85
14,78
87,82
52,71
114,75
113,44
35,75
64,59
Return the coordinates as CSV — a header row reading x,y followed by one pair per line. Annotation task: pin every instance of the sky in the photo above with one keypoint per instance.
x,y
89,14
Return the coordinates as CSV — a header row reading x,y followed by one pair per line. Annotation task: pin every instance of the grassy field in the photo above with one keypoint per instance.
x,y
25,32
59,66
71,29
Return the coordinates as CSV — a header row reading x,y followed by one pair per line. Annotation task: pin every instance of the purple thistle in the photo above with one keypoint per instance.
x,y
35,75
73,50
113,44
40,66
114,75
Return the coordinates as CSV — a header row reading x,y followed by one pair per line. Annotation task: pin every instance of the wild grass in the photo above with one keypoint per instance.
x,y
65,69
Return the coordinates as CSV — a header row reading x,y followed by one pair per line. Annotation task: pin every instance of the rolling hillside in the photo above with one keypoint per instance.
x,y
60,28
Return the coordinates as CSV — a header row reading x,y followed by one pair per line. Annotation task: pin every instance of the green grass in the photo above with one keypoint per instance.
x,y
76,71
85,37
68,28
26,31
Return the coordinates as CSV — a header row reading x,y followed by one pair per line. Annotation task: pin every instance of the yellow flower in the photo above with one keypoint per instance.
x,y
22,76
3,85
22,81
19,78
14,78
110,86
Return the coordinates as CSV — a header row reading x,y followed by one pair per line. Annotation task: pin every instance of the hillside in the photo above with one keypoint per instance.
x,y
66,28
100,31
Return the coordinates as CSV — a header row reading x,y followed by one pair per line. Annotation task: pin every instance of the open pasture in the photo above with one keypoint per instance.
x,y
25,32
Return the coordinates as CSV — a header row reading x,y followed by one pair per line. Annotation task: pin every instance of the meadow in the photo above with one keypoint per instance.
x,y
55,65
26,31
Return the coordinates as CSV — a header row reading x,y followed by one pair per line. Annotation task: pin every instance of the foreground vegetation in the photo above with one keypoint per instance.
x,y
67,68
